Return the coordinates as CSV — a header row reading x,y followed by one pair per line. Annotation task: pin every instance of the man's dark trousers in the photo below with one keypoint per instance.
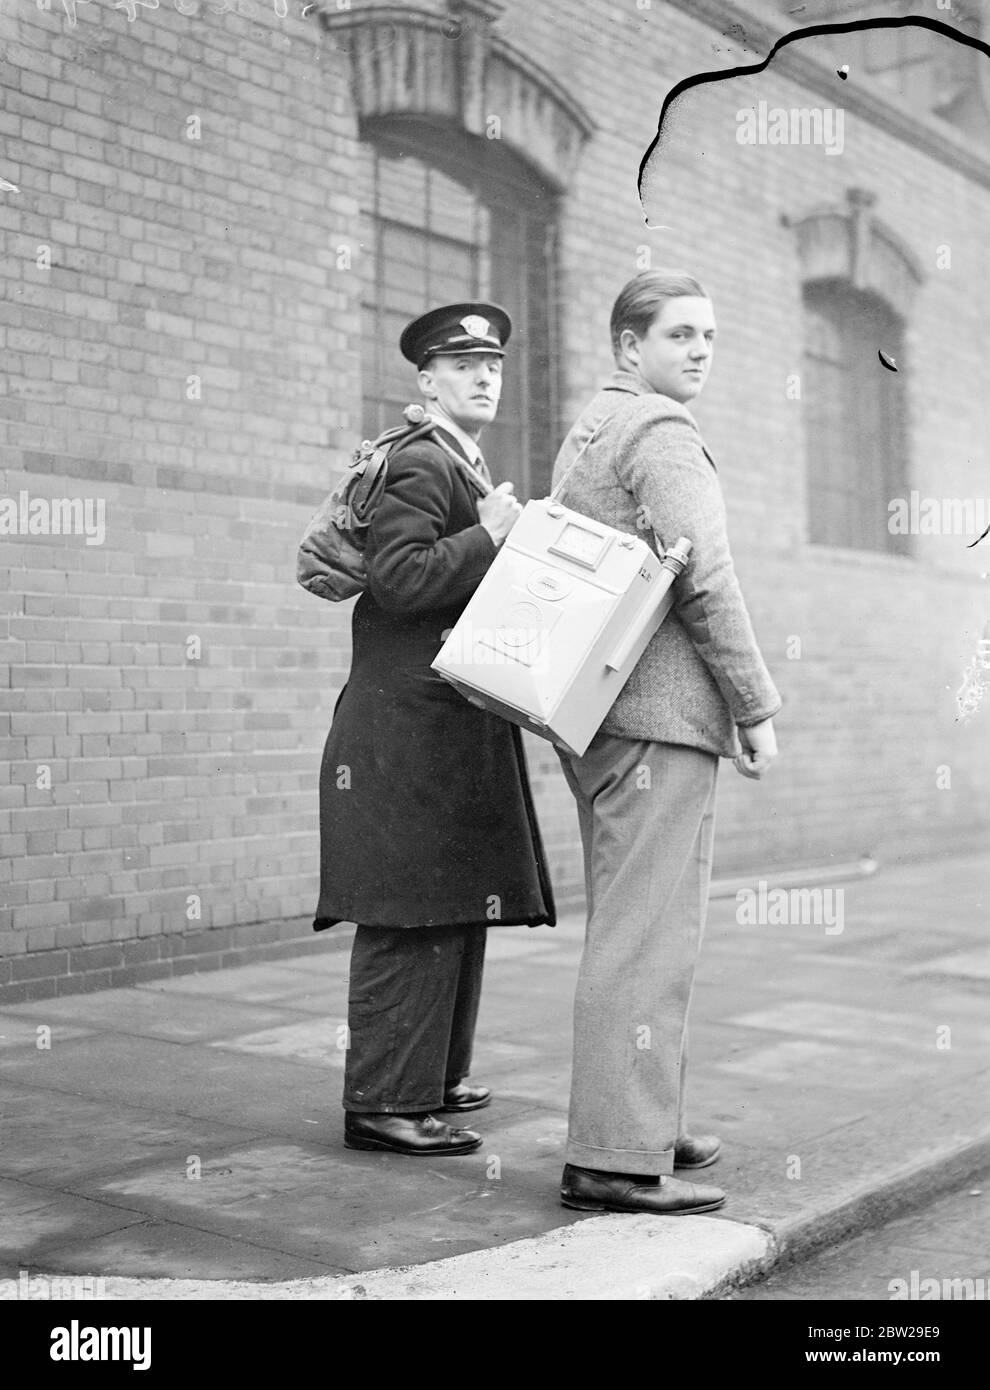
x,y
412,1007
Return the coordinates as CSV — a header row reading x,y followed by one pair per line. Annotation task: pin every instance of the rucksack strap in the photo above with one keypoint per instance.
x,y
425,428
468,470
372,457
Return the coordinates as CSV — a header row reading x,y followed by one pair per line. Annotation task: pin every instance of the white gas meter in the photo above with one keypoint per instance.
x,y
555,628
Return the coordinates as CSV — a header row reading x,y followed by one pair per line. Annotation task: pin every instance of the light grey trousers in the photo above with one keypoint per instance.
x,y
647,817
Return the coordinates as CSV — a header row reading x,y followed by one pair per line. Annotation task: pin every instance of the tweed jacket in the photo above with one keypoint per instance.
x,y
649,473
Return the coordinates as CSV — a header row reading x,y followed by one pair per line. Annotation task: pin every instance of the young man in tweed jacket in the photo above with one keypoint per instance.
x,y
645,788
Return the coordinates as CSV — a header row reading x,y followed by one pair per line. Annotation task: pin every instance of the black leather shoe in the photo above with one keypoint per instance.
x,y
698,1151
407,1134
462,1097
587,1190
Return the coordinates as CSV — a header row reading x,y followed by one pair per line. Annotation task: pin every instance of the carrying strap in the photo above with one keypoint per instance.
x,y
372,462
469,472
574,462
372,456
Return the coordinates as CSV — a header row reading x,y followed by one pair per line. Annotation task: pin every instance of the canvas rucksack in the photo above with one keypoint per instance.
x,y
330,561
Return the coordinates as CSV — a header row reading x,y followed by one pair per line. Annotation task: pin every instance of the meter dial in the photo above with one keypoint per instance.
x,y
580,544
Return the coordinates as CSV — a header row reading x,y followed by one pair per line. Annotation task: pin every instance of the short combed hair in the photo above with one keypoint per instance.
x,y
642,298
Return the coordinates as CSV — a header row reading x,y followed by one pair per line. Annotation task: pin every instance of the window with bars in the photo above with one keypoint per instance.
x,y
854,413
441,222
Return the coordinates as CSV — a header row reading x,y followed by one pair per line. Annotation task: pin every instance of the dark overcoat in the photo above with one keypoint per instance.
x,y
426,815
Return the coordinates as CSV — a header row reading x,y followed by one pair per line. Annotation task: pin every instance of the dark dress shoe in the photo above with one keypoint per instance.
x,y
696,1152
461,1097
407,1134
585,1189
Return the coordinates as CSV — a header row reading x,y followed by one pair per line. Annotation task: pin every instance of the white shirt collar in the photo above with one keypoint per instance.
x,y
469,445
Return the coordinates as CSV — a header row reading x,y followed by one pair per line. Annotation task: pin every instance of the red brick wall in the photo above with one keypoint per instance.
x,y
216,258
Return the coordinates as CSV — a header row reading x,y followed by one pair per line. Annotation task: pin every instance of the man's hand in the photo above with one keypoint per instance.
x,y
499,512
759,749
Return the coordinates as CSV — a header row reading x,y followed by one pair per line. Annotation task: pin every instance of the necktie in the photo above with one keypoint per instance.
x,y
482,468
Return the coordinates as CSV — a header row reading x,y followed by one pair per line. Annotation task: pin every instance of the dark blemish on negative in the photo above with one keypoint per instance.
x,y
812,31
977,541
887,361
843,72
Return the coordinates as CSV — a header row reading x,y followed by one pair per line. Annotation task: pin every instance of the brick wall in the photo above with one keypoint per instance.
x,y
186,360
193,350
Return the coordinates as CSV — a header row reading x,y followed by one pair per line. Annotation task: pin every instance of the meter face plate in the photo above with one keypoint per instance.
x,y
580,544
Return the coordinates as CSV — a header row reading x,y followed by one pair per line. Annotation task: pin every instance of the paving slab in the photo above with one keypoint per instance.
x,y
143,1013
160,1251
37,1225
316,1040
265,983
34,1034
198,1085
65,1142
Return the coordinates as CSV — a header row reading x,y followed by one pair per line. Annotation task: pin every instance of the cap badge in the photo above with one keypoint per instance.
x,y
476,326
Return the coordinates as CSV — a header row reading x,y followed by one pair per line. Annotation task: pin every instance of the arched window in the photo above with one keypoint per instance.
x,y
446,217
854,409
860,283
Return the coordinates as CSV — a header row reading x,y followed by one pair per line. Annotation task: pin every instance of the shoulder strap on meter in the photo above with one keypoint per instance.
x,y
574,462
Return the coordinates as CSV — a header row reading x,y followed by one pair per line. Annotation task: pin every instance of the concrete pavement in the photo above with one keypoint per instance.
x,y
183,1138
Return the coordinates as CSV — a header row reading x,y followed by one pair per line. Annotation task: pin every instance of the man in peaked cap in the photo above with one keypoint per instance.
x,y
428,833
458,350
